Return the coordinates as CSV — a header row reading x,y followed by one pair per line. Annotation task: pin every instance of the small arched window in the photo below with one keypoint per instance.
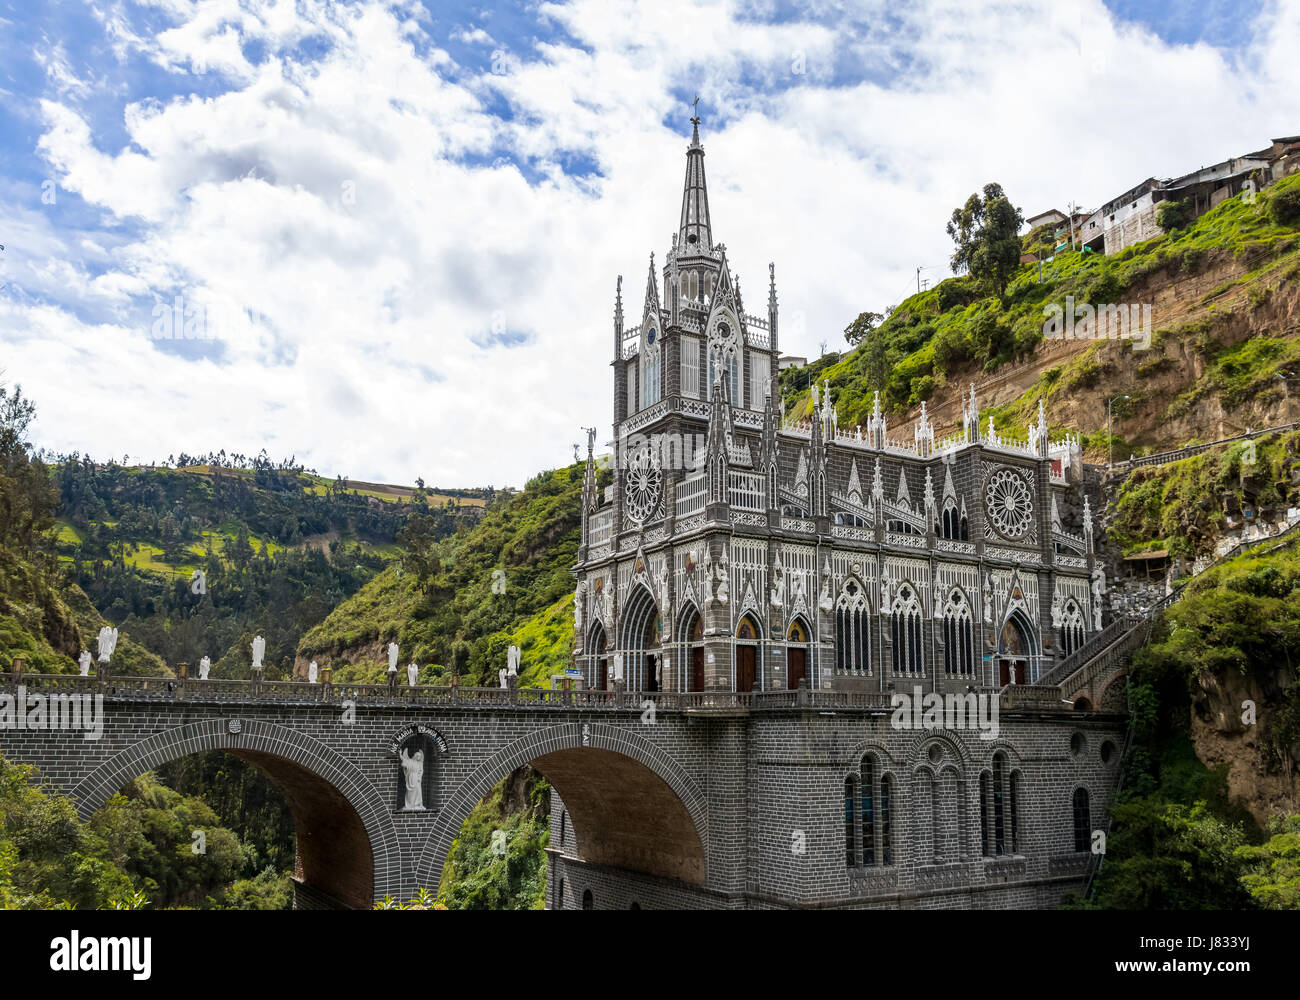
x,y
868,812
850,851
587,902
1082,820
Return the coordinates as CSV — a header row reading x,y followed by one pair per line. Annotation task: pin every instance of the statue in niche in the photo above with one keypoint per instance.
x,y
413,777
412,674
107,643
83,663
205,668
313,672
988,599
259,651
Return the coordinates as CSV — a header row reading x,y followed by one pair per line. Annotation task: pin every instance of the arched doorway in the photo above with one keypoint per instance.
x,y
748,636
690,636
640,642
796,653
596,653
1015,648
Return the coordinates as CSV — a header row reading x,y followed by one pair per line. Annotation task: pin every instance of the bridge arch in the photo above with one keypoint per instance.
x,y
347,842
630,804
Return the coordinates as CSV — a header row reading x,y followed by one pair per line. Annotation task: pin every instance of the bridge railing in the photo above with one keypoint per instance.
x,y
226,691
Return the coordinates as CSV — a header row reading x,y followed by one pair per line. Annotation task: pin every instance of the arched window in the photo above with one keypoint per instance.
x,y
1072,629
852,631
999,828
850,852
958,647
906,632
952,522
1082,820
587,902
559,895
886,820
1013,809
984,814
868,812
651,390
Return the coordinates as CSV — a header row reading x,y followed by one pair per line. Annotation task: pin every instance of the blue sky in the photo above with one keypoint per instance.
x,y
392,231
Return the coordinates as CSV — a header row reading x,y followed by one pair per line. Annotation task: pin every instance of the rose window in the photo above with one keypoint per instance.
x,y
1009,504
644,484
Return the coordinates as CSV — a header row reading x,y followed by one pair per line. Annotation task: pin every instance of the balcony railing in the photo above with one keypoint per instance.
x,y
745,491
692,494
600,527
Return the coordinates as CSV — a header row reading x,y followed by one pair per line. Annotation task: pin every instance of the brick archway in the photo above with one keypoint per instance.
x,y
631,805
337,810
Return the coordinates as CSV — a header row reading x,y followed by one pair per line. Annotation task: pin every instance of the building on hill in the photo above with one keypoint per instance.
x,y
736,551
1131,217
791,361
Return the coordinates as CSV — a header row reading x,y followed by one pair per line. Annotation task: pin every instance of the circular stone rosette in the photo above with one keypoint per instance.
x,y
1009,503
644,485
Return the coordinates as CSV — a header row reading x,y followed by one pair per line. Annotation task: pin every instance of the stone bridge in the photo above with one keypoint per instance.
x,y
690,799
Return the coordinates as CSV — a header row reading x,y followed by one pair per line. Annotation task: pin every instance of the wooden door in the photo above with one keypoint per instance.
x,y
1004,673
745,659
602,680
796,662
697,669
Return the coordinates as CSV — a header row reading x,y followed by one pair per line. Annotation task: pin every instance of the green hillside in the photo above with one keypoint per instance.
x,y
505,579
934,342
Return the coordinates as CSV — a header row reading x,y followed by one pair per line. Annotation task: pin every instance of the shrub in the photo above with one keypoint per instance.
x,y
1284,207
1173,215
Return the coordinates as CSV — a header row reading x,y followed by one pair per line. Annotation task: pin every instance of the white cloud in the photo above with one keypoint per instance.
x,y
342,207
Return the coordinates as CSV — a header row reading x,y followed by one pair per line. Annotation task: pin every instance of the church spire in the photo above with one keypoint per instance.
x,y
695,235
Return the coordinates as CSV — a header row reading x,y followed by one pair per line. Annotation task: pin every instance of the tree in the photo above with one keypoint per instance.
x,y
1173,215
1274,880
986,234
864,325
418,540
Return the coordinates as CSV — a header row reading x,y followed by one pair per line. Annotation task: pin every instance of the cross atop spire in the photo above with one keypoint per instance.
x,y
695,234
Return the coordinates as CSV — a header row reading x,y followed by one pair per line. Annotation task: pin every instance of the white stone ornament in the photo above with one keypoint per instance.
x,y
1098,593
392,656
205,668
413,774
1008,502
259,651
83,663
501,676
313,672
512,661
107,643
412,674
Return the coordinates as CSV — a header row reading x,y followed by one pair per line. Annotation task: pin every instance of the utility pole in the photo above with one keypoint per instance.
x,y
918,281
1072,208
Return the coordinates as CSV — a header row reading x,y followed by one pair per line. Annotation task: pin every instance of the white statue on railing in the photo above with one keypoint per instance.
x,y
618,666
83,663
412,673
512,661
413,775
1098,593
205,667
259,651
107,643
392,656
313,672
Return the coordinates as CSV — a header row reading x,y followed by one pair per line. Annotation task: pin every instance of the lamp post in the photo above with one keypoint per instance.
x,y
1110,437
